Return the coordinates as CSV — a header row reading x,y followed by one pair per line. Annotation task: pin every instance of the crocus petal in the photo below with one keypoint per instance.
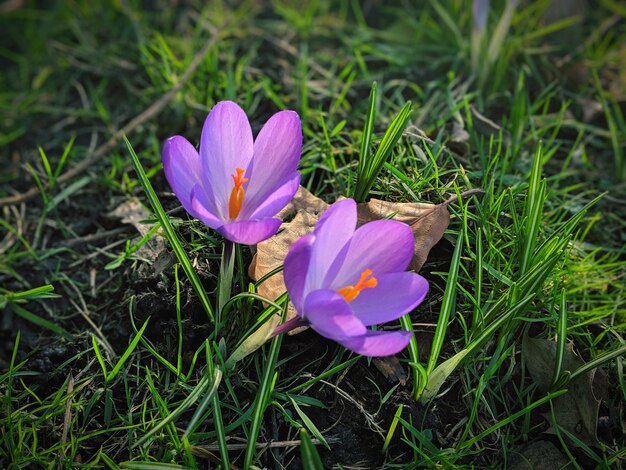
x,y
295,269
384,246
201,208
331,316
181,164
394,295
276,156
332,232
274,201
226,144
250,232
378,343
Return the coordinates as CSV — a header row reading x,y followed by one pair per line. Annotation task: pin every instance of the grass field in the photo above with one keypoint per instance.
x,y
115,331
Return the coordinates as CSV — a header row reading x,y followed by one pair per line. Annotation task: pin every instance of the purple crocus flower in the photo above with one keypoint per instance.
x,y
236,185
342,280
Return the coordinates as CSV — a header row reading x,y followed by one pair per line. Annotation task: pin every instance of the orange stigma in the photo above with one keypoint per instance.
x,y
352,292
236,195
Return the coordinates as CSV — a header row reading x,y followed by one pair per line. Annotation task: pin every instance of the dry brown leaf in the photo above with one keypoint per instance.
x,y
391,368
539,454
577,410
132,212
428,222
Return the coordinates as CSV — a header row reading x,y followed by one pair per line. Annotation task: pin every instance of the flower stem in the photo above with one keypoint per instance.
x,y
225,279
241,270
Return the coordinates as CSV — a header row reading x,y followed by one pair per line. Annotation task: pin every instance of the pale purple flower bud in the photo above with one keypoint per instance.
x,y
480,12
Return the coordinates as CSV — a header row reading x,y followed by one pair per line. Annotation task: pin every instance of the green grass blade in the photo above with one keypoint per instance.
x,y
262,397
170,234
107,460
447,305
219,429
7,400
37,320
47,167
598,361
206,387
325,375
533,211
513,417
449,21
208,399
372,167
41,292
146,343
18,235
440,374
96,350
561,339
213,398
69,191
389,140
392,427
613,118
66,153
309,424
414,362
502,29
366,137
129,350
308,453
179,325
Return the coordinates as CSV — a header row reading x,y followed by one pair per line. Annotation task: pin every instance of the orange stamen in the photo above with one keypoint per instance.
x,y
236,195
352,292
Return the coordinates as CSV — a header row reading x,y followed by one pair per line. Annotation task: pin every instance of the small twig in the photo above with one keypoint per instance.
x,y
420,134
95,327
10,237
455,428
84,311
287,46
150,112
369,418
446,203
259,445
93,237
463,195
99,251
